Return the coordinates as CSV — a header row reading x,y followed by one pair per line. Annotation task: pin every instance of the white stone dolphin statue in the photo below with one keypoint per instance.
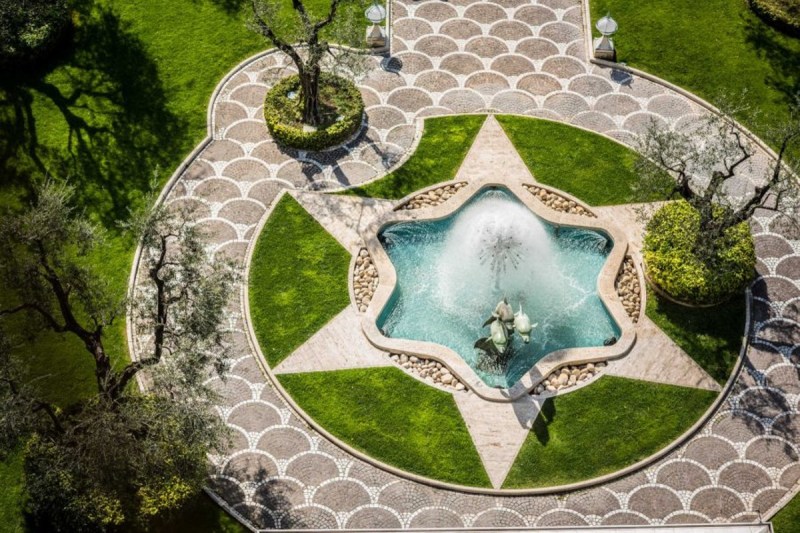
x,y
522,323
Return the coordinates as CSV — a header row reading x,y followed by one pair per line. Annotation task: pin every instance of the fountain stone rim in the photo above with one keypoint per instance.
x,y
387,280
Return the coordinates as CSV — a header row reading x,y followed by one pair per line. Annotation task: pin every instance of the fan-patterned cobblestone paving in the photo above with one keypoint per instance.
x,y
504,56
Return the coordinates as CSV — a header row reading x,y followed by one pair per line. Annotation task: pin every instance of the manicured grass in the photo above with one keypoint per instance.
x,y
712,337
788,519
11,494
442,148
591,167
710,48
298,280
393,418
602,428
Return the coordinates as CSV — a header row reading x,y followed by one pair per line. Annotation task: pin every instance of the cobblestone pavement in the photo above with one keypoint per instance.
x,y
511,56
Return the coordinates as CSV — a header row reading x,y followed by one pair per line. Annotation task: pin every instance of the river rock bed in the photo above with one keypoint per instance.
x,y
556,202
365,280
428,370
629,289
568,376
433,197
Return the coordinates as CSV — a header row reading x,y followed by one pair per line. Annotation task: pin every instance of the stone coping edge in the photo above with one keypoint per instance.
x,y
549,363
267,371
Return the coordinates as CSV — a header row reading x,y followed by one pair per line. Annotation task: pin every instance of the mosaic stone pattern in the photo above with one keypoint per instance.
x,y
504,56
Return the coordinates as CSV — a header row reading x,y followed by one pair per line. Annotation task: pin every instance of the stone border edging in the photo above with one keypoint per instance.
x,y
289,400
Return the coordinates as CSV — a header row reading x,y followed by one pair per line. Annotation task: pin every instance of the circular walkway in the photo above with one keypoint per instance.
x,y
507,56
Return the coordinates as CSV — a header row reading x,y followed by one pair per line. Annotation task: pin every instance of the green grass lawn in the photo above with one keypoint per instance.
x,y
589,166
394,418
602,428
788,519
710,47
298,280
117,110
443,147
712,337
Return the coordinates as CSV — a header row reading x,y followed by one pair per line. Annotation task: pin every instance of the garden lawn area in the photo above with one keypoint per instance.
x,y
298,280
602,428
712,337
115,113
393,418
444,145
787,520
710,47
588,166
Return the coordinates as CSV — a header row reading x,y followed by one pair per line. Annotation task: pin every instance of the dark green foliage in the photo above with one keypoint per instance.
x,y
393,418
783,14
698,276
712,337
589,166
29,29
443,147
341,110
604,427
298,280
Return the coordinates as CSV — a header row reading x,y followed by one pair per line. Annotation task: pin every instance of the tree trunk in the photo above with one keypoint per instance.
x,y
309,92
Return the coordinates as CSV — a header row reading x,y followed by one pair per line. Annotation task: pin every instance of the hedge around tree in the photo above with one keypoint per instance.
x,y
782,14
343,109
30,29
674,266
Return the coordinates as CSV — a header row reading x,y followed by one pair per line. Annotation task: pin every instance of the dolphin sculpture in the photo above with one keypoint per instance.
x,y
522,323
497,341
502,312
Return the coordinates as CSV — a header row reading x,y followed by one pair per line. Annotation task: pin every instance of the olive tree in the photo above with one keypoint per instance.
x,y
120,455
307,42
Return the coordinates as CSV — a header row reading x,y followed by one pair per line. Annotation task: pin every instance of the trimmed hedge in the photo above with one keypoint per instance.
x,y
29,29
671,262
782,14
339,97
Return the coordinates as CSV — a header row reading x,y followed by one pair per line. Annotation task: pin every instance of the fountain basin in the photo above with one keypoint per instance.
x,y
448,277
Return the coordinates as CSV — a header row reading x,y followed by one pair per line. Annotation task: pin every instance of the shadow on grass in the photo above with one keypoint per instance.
x,y
118,130
545,418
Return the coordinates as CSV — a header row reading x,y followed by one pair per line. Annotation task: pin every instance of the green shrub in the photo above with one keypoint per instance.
x,y
29,29
342,110
782,14
674,265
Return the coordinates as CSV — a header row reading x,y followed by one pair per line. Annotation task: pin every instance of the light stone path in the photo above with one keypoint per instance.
x,y
514,56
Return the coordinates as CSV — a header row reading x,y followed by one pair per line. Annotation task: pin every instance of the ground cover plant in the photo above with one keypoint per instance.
x,y
393,418
741,52
711,336
602,428
298,280
443,147
782,14
589,166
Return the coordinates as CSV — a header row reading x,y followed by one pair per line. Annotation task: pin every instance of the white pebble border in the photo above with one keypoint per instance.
x,y
433,197
557,202
365,280
568,376
628,289
429,370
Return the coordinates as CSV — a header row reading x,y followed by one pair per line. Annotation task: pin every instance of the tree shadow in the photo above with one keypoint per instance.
x,y
771,46
95,113
543,420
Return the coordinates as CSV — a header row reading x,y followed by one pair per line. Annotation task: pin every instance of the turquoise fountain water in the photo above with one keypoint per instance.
x,y
452,272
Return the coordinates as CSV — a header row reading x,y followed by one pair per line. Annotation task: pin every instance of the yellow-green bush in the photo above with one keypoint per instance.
x,y
342,104
676,265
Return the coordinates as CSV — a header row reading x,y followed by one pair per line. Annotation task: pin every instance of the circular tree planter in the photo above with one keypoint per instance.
x,y
675,271
341,106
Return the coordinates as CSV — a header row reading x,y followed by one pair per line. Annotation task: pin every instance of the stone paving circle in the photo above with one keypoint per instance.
x,y
527,57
